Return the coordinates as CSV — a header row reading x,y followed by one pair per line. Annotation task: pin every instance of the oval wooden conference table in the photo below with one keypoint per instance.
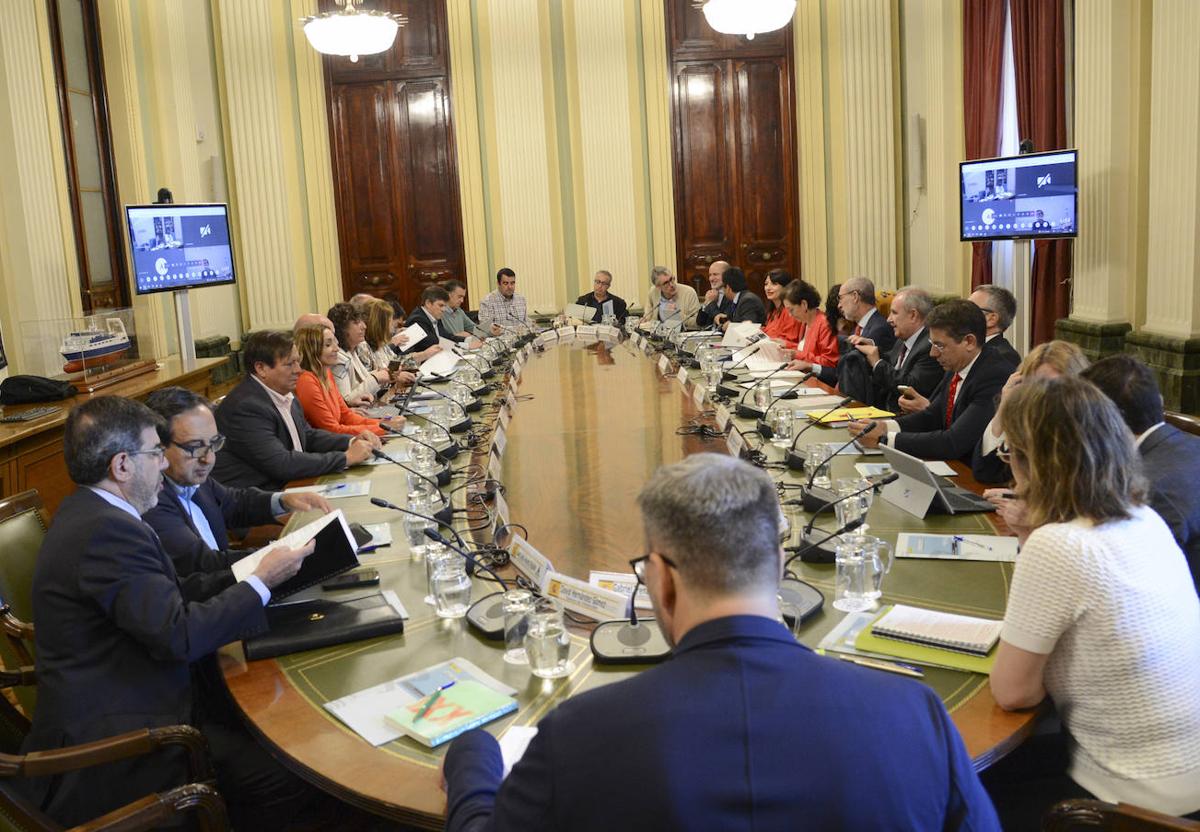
x,y
592,421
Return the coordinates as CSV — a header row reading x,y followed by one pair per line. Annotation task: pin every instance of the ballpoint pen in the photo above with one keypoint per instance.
x,y
959,540
331,489
890,667
430,702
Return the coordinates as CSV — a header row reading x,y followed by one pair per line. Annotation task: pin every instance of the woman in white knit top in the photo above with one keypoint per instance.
x,y
1102,615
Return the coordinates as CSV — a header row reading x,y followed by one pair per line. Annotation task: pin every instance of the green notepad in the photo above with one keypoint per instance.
x,y
869,642
457,709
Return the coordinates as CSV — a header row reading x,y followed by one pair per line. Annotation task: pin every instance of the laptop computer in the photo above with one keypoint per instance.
x,y
919,491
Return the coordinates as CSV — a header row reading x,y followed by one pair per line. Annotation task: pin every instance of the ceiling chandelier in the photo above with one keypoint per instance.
x,y
352,32
747,17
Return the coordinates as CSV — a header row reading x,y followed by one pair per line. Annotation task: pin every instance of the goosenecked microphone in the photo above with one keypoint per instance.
x,y
631,641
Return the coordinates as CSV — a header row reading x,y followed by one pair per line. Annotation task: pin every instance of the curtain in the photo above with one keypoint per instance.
x,y
1039,47
983,53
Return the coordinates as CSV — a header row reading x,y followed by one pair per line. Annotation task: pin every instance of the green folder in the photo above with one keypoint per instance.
x,y
455,710
868,642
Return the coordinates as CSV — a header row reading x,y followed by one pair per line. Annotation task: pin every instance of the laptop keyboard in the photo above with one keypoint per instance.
x,y
960,499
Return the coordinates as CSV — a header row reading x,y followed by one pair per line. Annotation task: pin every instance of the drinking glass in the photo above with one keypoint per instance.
x,y
631,324
517,604
414,529
852,581
423,458
451,589
608,320
782,423
762,394
817,463
713,376
879,557
851,509
547,644
436,554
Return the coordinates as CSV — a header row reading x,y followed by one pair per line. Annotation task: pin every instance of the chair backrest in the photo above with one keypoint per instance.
x,y
1186,423
22,530
1071,815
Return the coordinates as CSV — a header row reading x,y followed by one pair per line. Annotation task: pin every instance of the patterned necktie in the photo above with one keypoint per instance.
x,y
903,352
950,399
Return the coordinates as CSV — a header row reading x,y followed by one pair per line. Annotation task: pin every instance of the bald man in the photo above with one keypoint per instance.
x,y
312,319
715,302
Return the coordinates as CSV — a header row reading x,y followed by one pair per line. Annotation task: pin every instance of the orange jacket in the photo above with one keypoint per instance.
x,y
325,408
820,344
781,325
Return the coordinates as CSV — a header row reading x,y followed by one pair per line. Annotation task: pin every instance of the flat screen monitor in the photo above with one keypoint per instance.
x,y
1020,197
179,246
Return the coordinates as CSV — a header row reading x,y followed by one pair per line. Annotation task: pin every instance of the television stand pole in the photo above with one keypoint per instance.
x,y
1023,290
183,317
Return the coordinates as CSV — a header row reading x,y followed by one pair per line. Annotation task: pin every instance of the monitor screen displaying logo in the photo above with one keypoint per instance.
x,y
1016,197
179,246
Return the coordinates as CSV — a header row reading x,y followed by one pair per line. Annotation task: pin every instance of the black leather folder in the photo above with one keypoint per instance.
x,y
308,625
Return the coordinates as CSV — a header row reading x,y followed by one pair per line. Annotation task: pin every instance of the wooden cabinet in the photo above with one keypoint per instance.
x,y
392,139
734,149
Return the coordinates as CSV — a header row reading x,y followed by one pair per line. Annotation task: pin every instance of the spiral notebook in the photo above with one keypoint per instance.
x,y
961,633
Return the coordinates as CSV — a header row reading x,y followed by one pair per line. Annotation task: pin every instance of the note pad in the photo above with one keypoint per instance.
x,y
848,414
938,630
455,710
987,547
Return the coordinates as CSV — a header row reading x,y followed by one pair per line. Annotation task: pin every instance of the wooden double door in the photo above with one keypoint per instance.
x,y
392,139
734,149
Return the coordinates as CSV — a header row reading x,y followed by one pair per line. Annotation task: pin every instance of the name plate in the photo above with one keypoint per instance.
x,y
510,402
512,384
682,377
698,395
505,416
526,351
566,332
583,598
587,329
722,417
664,365
546,337
608,331
499,441
639,342
736,442
494,468
532,563
502,513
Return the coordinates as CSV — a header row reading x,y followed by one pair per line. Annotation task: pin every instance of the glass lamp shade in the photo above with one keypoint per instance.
x,y
748,17
352,32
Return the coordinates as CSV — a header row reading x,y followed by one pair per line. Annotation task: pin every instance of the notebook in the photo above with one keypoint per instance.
x,y
334,554
944,630
840,418
454,710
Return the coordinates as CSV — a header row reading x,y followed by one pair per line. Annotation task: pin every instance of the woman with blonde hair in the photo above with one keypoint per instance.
x,y
382,334
1049,360
317,391
1102,616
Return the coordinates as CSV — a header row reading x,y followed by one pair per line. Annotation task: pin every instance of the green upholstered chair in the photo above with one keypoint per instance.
x,y
22,529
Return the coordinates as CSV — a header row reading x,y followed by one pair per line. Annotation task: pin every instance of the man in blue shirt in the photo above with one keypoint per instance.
x,y
742,728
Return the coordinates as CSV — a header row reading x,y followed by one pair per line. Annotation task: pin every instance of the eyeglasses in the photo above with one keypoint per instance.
x,y
847,294
666,282
600,282
639,565
156,451
195,450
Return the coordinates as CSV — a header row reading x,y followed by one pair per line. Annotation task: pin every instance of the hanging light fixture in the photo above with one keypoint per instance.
x,y
352,32
748,17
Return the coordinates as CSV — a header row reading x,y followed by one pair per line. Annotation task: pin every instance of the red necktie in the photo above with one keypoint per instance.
x,y
950,399
858,330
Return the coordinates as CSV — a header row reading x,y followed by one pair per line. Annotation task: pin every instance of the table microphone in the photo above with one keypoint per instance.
x,y
820,500
487,614
764,429
629,642
475,391
871,484
747,411
457,427
443,477
794,460
813,553
442,516
443,456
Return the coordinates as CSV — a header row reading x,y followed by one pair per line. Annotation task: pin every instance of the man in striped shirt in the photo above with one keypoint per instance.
x,y
504,306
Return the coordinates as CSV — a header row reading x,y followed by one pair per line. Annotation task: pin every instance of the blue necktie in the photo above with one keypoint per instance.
x,y
198,519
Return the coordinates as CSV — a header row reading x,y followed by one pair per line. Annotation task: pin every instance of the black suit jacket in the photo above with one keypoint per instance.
x,y
203,571
925,434
115,641
619,307
1172,459
1010,357
742,728
877,329
709,311
432,333
258,450
919,371
749,307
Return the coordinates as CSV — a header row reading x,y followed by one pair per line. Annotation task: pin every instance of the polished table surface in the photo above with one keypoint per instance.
x,y
591,423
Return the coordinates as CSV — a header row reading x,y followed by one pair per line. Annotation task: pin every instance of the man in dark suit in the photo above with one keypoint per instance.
x,y
714,302
194,511
115,639
965,401
599,297
268,442
1171,456
908,363
856,302
742,727
999,309
428,316
743,305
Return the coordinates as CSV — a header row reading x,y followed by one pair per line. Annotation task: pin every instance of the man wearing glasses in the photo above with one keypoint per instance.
x,y
602,300
194,511
742,728
999,309
669,299
116,640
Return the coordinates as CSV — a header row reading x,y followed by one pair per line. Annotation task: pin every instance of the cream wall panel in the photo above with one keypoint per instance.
x,y
40,276
608,188
656,93
1173,261
809,65
1112,195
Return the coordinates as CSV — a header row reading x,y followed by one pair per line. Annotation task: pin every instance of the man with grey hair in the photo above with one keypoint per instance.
x,y
670,300
742,727
1000,309
908,363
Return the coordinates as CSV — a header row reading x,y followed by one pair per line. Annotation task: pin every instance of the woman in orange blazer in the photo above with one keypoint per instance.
x,y
780,326
817,345
323,404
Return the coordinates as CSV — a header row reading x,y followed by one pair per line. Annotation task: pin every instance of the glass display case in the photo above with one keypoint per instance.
x,y
89,352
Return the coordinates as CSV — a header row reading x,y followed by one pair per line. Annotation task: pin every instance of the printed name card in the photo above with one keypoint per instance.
x,y
494,468
608,331
587,329
682,375
512,384
532,563
722,417
502,513
499,441
663,364
583,598
505,416
698,395
546,337
736,442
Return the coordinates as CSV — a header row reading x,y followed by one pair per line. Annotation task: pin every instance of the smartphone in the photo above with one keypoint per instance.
x,y
905,390
364,577
394,365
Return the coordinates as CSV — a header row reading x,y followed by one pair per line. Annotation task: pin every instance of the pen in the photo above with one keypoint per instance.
x,y
959,539
890,667
430,702
330,489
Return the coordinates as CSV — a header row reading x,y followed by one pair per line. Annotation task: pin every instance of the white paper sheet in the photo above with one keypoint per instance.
x,y
244,568
740,334
513,744
335,490
415,335
441,364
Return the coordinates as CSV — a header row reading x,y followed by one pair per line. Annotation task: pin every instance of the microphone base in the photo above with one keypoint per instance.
x,y
486,616
815,500
619,642
474,407
799,601
748,411
794,460
729,391
445,516
483,390
462,427
764,430
443,477
444,455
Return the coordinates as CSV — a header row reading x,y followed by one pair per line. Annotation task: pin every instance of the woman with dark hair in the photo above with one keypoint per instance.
x,y
357,383
1102,616
324,407
780,324
838,325
817,344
